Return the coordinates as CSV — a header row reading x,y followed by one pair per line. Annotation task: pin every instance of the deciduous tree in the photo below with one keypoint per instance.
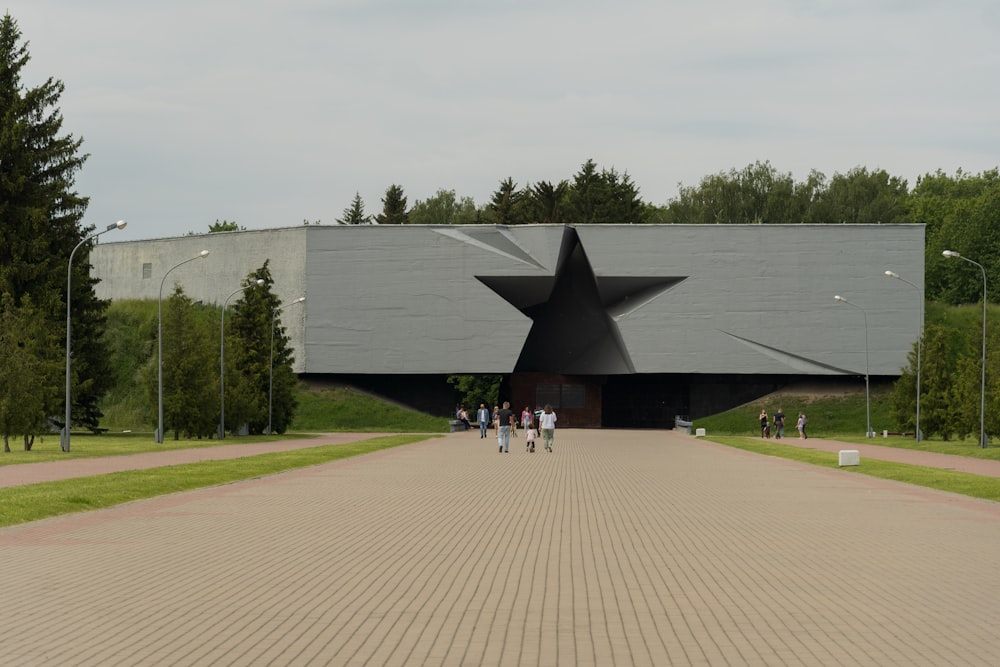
x,y
444,208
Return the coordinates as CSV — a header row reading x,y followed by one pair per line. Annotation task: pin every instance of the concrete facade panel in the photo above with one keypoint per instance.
x,y
759,298
745,299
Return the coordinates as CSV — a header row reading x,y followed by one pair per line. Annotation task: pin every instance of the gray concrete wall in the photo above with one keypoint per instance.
x,y
754,299
232,256
759,298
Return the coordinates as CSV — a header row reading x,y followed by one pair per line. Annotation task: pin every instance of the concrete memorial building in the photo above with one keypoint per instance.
x,y
614,325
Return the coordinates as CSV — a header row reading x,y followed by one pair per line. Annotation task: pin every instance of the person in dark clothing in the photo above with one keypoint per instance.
x,y
505,419
779,424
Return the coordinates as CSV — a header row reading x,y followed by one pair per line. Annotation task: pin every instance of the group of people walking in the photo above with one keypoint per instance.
x,y
776,424
506,422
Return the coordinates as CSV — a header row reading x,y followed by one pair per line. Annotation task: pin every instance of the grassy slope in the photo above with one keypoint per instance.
x,y
840,414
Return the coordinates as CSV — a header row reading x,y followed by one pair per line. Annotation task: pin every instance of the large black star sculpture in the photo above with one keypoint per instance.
x,y
575,313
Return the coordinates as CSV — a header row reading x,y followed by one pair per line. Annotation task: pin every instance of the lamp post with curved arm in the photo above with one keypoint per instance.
x,y
920,340
270,369
868,402
159,345
64,437
222,357
982,388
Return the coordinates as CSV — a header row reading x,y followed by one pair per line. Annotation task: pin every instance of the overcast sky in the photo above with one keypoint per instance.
x,y
271,113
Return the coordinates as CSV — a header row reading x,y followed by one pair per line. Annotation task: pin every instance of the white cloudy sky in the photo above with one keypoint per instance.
x,y
271,113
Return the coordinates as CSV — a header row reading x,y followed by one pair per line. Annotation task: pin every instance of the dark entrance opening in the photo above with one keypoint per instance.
x,y
644,401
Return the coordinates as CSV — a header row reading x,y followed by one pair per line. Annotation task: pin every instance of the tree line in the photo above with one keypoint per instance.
x,y
258,378
40,228
961,212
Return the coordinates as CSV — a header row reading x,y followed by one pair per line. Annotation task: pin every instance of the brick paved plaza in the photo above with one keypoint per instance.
x,y
621,548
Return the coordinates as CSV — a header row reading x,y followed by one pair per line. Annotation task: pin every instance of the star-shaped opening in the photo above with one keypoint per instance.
x,y
575,314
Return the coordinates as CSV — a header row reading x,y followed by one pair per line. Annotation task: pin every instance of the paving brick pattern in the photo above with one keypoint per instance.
x,y
620,548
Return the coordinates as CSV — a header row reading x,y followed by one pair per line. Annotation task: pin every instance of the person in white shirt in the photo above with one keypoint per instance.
x,y
547,424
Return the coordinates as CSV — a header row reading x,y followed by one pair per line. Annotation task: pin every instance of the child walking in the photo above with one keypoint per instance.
x,y
529,439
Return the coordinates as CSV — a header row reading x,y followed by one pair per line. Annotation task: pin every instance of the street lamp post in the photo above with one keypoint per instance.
x,y
159,345
920,340
982,388
64,437
868,402
222,357
270,368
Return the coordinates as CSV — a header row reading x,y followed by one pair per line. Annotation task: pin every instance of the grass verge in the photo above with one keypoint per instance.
x,y
975,486
87,445
21,504
967,448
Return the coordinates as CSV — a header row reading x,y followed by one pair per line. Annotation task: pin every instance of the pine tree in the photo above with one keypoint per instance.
x,y
507,204
355,213
251,327
937,407
190,377
40,215
393,208
548,201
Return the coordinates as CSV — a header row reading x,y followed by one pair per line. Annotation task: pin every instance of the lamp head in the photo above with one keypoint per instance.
x,y
839,298
120,224
891,274
259,282
203,253
300,299
951,253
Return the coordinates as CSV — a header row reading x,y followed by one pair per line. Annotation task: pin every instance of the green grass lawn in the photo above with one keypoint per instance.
x,y
976,486
331,410
87,445
967,447
21,504
845,418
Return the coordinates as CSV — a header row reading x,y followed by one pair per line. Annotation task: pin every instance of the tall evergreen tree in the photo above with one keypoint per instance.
x,y
393,208
40,216
603,197
355,213
937,406
507,204
190,378
548,201
251,323
585,195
